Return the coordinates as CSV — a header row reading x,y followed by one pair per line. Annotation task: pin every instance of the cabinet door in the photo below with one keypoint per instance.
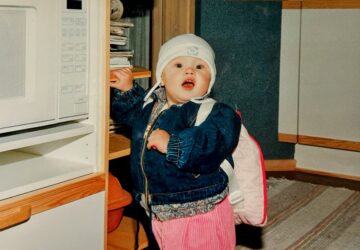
x,y
74,226
329,92
319,77
289,75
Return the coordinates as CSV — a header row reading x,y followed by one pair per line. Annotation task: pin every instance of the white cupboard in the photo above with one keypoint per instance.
x,y
73,226
319,101
329,92
53,179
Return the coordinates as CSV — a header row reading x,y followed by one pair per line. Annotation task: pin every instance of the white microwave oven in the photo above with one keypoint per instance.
x,y
44,62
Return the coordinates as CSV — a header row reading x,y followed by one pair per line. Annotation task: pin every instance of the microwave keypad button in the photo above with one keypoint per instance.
x,y
68,46
64,32
76,32
72,32
80,46
67,58
81,99
66,89
80,21
67,20
67,69
80,68
79,88
80,58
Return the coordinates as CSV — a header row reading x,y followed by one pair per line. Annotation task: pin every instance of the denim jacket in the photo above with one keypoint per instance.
x,y
190,171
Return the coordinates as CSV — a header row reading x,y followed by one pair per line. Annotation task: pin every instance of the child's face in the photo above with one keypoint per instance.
x,y
185,77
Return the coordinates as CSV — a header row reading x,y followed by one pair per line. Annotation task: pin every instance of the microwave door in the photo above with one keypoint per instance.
x,y
27,94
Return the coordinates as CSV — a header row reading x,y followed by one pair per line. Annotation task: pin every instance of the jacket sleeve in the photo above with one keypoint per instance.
x,y
126,106
201,149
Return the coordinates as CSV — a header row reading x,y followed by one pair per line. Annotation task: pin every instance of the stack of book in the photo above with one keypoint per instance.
x,y
120,54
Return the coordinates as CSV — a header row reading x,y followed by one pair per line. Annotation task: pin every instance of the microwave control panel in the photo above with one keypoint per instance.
x,y
73,98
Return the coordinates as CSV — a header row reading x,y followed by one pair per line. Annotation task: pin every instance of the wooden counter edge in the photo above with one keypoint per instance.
x,y
57,195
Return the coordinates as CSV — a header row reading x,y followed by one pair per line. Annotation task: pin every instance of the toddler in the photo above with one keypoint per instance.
x,y
175,165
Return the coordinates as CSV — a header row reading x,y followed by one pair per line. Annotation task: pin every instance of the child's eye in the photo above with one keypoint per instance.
x,y
199,66
178,65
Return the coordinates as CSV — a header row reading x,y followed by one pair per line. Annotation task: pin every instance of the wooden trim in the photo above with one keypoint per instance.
x,y
169,18
106,75
280,165
14,216
57,195
321,4
190,10
331,4
290,166
178,18
329,143
323,173
287,138
156,34
106,113
291,4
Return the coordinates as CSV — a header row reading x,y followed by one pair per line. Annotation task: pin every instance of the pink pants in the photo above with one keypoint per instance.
x,y
214,230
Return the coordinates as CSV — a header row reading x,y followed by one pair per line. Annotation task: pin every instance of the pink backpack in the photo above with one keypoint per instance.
x,y
247,180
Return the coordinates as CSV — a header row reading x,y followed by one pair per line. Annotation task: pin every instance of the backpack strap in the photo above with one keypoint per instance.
x,y
235,195
204,110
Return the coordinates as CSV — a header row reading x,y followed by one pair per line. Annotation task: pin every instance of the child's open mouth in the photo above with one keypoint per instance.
x,y
188,84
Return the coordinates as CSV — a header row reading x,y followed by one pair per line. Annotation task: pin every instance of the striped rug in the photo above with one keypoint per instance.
x,y
309,216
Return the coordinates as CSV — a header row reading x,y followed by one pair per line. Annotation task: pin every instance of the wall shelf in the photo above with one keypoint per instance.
x,y
119,146
138,73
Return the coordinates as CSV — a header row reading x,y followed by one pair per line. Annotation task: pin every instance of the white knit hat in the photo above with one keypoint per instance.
x,y
184,45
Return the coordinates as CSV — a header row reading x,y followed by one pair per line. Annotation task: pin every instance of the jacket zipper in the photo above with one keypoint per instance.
x,y
148,129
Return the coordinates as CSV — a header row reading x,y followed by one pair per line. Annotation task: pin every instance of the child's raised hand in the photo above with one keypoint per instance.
x,y
158,140
121,79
